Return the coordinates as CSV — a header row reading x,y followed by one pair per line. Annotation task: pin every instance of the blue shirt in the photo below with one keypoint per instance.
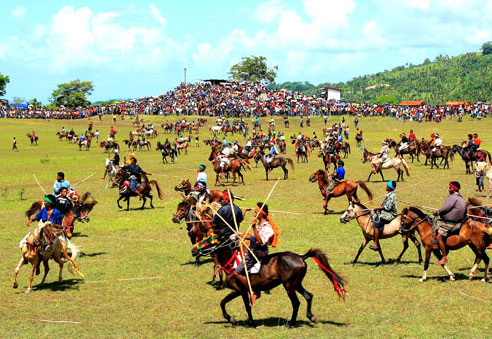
x,y
55,216
340,173
57,186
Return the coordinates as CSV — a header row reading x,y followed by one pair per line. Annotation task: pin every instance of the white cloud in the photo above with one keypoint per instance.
x,y
420,4
268,12
156,14
19,13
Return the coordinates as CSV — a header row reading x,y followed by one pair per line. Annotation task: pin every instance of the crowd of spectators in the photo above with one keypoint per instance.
x,y
248,100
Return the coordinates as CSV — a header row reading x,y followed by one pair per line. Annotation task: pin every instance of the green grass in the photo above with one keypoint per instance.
x,y
383,300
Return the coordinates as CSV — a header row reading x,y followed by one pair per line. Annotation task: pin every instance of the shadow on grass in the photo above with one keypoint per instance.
x,y
204,261
80,235
69,284
389,262
90,255
277,322
140,209
442,278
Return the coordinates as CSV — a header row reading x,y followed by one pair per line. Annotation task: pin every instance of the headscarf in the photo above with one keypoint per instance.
x,y
50,199
392,184
276,230
455,185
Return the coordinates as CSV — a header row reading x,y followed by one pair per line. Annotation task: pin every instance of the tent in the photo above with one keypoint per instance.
x,y
412,103
455,103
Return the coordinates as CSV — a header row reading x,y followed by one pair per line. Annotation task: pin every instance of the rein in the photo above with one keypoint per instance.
x,y
414,225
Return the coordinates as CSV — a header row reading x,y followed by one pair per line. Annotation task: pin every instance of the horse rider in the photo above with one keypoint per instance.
x,y
201,175
47,213
411,136
115,162
264,235
224,219
452,212
404,143
249,145
436,142
59,183
167,144
382,156
337,177
273,153
135,172
384,213
224,158
235,147
63,203
476,142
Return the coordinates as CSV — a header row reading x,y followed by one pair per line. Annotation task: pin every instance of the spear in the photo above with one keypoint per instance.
x,y
42,189
83,180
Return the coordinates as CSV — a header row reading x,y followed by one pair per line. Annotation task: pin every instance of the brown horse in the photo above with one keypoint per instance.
x,y
197,230
33,139
61,135
413,149
276,162
362,214
443,152
109,145
286,268
234,166
185,187
347,187
145,188
476,235
329,159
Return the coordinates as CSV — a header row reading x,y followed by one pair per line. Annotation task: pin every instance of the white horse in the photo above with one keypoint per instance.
x,y
216,129
111,172
395,163
484,168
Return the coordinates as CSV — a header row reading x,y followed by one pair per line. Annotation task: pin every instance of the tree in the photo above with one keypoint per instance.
x,y
72,94
35,103
18,100
4,80
390,99
253,69
487,48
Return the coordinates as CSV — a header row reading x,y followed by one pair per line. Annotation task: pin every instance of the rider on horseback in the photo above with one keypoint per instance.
x,y
452,213
47,213
273,153
388,211
404,143
436,142
265,234
336,178
59,183
135,174
224,158
382,156
201,176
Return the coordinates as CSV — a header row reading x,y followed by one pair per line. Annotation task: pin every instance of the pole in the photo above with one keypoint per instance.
x,y
84,180
185,75
42,189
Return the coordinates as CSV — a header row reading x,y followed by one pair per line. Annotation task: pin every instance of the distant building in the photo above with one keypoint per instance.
x,y
332,93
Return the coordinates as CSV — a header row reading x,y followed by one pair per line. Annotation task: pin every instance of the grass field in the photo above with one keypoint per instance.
x,y
173,298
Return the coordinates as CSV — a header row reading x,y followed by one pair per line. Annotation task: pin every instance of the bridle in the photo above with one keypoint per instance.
x,y
414,225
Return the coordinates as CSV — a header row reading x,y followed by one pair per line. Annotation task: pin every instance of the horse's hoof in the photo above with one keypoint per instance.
x,y
232,321
313,319
289,325
484,280
451,278
421,280
16,285
396,263
28,291
470,276
250,325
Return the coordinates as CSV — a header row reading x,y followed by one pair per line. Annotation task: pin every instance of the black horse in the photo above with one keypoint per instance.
x,y
286,268
469,155
122,179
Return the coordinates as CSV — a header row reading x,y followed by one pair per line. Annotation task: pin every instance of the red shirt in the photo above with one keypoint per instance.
x,y
412,136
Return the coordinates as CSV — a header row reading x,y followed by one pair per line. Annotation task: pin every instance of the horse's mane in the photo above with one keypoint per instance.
x,y
361,205
417,211
35,207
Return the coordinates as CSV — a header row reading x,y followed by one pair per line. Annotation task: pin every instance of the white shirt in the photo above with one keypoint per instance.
x,y
202,177
266,233
248,144
438,142
226,151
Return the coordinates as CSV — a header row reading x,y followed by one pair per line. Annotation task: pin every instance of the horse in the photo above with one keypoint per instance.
x,y
343,147
276,162
390,163
329,159
475,234
347,187
301,151
182,146
111,172
215,129
197,230
145,188
358,139
109,145
443,152
32,253
185,187
86,143
130,144
33,139
61,135
468,155
413,149
362,214
286,268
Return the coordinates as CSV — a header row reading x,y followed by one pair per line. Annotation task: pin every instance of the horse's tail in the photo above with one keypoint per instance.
x,y
72,266
245,162
488,155
365,188
34,209
291,163
322,260
405,166
157,187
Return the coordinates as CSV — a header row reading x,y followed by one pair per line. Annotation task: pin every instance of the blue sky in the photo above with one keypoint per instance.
x,y
139,48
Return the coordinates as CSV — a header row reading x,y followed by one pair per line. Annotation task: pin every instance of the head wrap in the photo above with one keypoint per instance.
x,y
455,185
227,197
50,199
201,184
392,184
202,167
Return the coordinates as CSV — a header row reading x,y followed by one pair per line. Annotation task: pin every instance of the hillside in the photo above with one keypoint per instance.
x,y
467,77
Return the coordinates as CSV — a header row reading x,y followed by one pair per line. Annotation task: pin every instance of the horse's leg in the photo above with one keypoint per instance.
x,y
381,255
369,177
151,200
438,254
46,270
17,269
382,176
286,172
426,263
245,296
266,173
35,262
361,248
231,296
405,246
309,299
58,259
417,244
295,306
128,203
485,258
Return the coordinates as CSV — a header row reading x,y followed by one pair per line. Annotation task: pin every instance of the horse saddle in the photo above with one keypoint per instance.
x,y
454,229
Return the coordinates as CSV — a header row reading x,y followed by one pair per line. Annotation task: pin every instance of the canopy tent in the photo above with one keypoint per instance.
x,y
412,103
455,103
